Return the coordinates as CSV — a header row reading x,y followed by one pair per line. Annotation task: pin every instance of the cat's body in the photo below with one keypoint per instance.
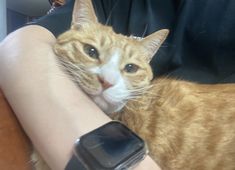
x,y
186,125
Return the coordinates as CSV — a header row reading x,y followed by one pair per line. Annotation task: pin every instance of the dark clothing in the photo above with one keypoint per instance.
x,y
200,47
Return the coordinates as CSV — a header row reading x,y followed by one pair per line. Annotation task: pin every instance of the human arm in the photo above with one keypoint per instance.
x,y
50,107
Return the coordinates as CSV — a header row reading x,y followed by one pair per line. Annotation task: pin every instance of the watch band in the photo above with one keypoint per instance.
x,y
75,164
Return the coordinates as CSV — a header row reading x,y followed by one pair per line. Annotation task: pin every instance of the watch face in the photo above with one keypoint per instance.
x,y
111,144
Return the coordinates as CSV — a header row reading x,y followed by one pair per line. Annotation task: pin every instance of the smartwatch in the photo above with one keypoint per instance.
x,y
112,146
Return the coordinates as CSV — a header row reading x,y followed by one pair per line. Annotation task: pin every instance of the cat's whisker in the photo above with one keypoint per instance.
x,y
73,74
145,30
139,91
70,65
111,12
76,81
77,71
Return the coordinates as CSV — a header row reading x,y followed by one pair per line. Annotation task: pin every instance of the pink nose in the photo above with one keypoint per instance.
x,y
104,83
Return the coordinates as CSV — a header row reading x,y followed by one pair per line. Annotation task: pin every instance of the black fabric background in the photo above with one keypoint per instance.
x,y
200,47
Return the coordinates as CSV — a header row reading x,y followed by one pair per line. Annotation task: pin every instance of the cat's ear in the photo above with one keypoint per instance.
x,y
83,13
153,42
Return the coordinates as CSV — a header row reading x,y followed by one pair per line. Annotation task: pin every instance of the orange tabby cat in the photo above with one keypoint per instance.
x,y
186,125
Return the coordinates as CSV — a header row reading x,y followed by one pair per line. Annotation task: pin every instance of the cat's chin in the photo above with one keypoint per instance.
x,y
108,107
104,101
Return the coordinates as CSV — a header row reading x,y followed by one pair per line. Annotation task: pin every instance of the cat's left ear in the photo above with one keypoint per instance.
x,y
153,42
83,13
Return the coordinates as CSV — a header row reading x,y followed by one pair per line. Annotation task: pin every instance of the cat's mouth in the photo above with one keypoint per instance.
x,y
94,90
107,94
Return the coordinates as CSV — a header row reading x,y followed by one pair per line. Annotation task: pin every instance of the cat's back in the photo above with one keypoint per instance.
x,y
187,125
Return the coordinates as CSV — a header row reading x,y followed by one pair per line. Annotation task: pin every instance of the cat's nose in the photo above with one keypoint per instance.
x,y
105,84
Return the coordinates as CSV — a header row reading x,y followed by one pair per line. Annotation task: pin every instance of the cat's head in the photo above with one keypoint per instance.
x,y
111,68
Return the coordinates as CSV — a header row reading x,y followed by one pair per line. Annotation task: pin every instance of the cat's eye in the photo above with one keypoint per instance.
x,y
91,51
131,68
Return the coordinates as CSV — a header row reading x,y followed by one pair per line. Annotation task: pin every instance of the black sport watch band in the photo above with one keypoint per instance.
x,y
75,164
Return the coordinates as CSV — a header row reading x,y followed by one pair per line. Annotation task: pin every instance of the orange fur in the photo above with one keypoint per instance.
x,y
186,125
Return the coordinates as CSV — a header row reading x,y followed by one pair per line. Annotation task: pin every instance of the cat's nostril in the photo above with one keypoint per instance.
x,y
105,84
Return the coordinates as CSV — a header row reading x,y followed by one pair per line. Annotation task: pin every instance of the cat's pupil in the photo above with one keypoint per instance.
x,y
91,51
131,68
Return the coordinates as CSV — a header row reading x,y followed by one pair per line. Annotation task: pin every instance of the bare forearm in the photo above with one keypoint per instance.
x,y
52,110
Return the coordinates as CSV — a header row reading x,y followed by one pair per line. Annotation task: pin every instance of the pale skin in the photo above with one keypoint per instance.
x,y
52,109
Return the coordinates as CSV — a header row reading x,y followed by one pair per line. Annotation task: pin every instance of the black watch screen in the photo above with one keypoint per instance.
x,y
111,146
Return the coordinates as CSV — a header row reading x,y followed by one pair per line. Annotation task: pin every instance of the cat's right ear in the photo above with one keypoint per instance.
x,y
83,13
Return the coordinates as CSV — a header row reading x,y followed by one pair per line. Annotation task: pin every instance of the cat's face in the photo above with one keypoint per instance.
x,y
109,67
